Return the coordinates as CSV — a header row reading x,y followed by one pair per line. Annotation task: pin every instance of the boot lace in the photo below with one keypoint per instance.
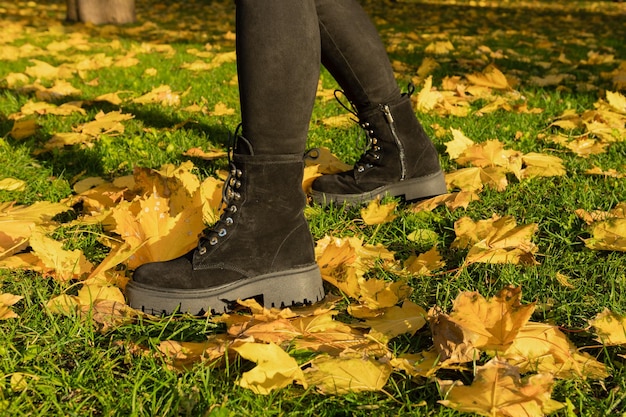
x,y
372,150
229,205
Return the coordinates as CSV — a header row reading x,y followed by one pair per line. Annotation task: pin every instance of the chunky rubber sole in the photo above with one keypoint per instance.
x,y
411,189
301,286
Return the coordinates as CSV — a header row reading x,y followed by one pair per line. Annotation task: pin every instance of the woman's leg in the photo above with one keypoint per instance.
x,y
401,159
278,61
261,247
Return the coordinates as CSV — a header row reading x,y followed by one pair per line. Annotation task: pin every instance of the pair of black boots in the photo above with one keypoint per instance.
x,y
261,247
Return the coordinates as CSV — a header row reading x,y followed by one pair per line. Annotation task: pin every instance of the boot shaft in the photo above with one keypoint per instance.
x,y
263,218
399,146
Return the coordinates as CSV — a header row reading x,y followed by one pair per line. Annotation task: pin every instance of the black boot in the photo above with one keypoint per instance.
x,y
400,161
260,248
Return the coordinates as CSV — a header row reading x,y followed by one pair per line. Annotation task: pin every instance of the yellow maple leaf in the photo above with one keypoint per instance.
x,y
63,265
209,155
18,222
495,322
60,90
340,121
428,98
617,101
610,328
452,344
496,240
310,174
183,355
542,165
342,375
458,144
612,172
275,368
581,146
377,213
14,236
450,200
322,333
152,229
336,258
6,301
112,98
608,235
498,391
424,263
328,163
439,47
42,69
465,179
23,129
491,153
423,364
105,123
543,348
407,319
491,77
162,94
12,184
222,109
377,294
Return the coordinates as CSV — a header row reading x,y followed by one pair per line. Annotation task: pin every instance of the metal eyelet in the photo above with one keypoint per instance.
x,y
233,209
222,232
201,250
360,168
239,173
213,241
229,221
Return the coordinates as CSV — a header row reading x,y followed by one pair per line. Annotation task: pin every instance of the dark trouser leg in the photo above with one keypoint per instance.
x,y
261,247
278,61
354,54
401,160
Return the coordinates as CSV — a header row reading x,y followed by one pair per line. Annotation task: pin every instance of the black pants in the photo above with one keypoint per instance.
x,y
280,45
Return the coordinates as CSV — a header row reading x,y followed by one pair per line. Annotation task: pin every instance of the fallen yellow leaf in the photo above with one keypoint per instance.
x,y
342,375
610,328
275,368
498,391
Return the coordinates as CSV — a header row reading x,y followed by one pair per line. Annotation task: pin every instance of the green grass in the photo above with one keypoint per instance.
x,y
71,369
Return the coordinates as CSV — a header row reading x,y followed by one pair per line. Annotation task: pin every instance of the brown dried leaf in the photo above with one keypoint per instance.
x,y
6,301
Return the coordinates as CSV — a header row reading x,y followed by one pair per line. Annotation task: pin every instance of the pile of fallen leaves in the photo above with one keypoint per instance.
x,y
514,361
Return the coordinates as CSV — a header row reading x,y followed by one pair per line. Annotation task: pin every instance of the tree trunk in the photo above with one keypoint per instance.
x,y
101,12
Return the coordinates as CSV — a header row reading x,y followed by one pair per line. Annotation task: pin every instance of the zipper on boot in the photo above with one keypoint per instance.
x,y
392,126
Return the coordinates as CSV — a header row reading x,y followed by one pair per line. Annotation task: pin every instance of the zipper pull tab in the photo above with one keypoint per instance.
x,y
388,115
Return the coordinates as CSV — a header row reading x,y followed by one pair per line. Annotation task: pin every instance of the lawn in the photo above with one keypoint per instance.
x,y
525,103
